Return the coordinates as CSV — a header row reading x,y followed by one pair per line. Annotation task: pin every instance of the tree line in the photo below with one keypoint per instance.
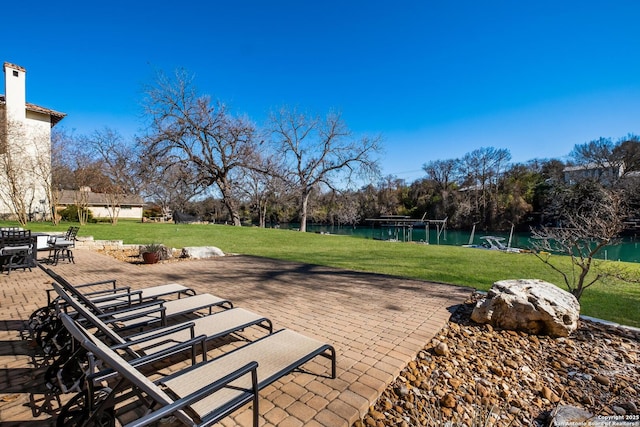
x,y
199,158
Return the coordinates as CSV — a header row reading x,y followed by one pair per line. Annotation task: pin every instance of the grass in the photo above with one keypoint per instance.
x,y
616,302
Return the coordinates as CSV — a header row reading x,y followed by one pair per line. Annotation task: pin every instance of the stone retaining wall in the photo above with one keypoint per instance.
x,y
88,242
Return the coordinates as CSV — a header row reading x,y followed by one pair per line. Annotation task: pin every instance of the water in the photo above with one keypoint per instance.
x,y
628,250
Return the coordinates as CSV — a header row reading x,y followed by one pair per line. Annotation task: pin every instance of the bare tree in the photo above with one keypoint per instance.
x,y
314,152
263,189
81,201
171,187
114,198
189,128
588,217
120,167
18,165
61,169
346,209
389,195
628,148
42,171
120,159
482,169
17,192
610,161
75,163
63,147
443,173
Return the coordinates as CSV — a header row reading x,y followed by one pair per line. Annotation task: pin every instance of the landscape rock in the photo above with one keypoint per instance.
x,y
441,349
529,305
630,407
448,401
197,252
567,415
618,410
602,379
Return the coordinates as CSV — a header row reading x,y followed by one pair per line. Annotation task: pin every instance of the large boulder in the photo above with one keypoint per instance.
x,y
529,305
201,252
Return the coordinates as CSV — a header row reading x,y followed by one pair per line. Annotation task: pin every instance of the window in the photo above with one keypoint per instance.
x,y
15,73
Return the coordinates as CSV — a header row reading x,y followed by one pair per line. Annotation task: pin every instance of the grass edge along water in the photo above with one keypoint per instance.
x,y
617,301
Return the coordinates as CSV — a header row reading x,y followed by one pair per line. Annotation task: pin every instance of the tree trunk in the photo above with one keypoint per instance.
x,y
262,215
303,211
579,289
577,292
229,202
233,211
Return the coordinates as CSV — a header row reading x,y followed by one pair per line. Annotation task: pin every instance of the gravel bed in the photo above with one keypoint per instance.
x,y
473,375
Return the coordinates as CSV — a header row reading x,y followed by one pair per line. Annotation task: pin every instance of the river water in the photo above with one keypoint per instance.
x,y
627,250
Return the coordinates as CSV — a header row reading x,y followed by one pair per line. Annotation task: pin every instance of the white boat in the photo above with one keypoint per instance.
x,y
494,243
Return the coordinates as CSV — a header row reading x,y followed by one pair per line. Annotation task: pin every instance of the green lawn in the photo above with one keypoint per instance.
x,y
618,302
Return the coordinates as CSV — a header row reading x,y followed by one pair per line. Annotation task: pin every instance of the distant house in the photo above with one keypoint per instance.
x,y
25,148
102,205
604,173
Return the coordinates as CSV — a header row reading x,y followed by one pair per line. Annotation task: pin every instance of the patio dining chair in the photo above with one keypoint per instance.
x,y
16,250
60,247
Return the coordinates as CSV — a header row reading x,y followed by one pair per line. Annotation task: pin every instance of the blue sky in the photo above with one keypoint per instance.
x,y
435,79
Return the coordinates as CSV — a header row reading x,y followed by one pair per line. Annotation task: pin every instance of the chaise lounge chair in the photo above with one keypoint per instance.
x,y
152,312
64,376
218,382
193,405
138,345
124,294
112,297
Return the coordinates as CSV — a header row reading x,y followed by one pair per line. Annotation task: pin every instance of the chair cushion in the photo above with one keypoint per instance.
x,y
15,249
63,243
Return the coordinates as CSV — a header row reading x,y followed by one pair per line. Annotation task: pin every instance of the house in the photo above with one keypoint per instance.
x,y
103,205
605,173
25,150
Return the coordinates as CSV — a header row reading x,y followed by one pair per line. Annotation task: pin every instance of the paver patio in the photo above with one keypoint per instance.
x,y
376,323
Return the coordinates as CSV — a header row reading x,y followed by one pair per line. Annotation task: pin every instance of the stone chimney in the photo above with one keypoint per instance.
x,y
15,92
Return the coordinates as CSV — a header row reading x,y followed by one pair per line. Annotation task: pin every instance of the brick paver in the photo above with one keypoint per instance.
x,y
376,323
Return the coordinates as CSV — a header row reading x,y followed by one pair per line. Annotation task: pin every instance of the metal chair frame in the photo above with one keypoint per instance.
x,y
16,249
60,247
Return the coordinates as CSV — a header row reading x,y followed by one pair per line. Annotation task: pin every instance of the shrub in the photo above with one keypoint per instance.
x,y
70,213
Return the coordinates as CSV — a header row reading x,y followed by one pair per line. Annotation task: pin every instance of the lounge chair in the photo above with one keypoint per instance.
x,y
193,336
44,325
113,296
42,322
138,345
146,313
123,295
193,405
277,355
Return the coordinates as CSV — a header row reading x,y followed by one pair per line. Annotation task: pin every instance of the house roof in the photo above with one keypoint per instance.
x,y
68,197
56,116
590,166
